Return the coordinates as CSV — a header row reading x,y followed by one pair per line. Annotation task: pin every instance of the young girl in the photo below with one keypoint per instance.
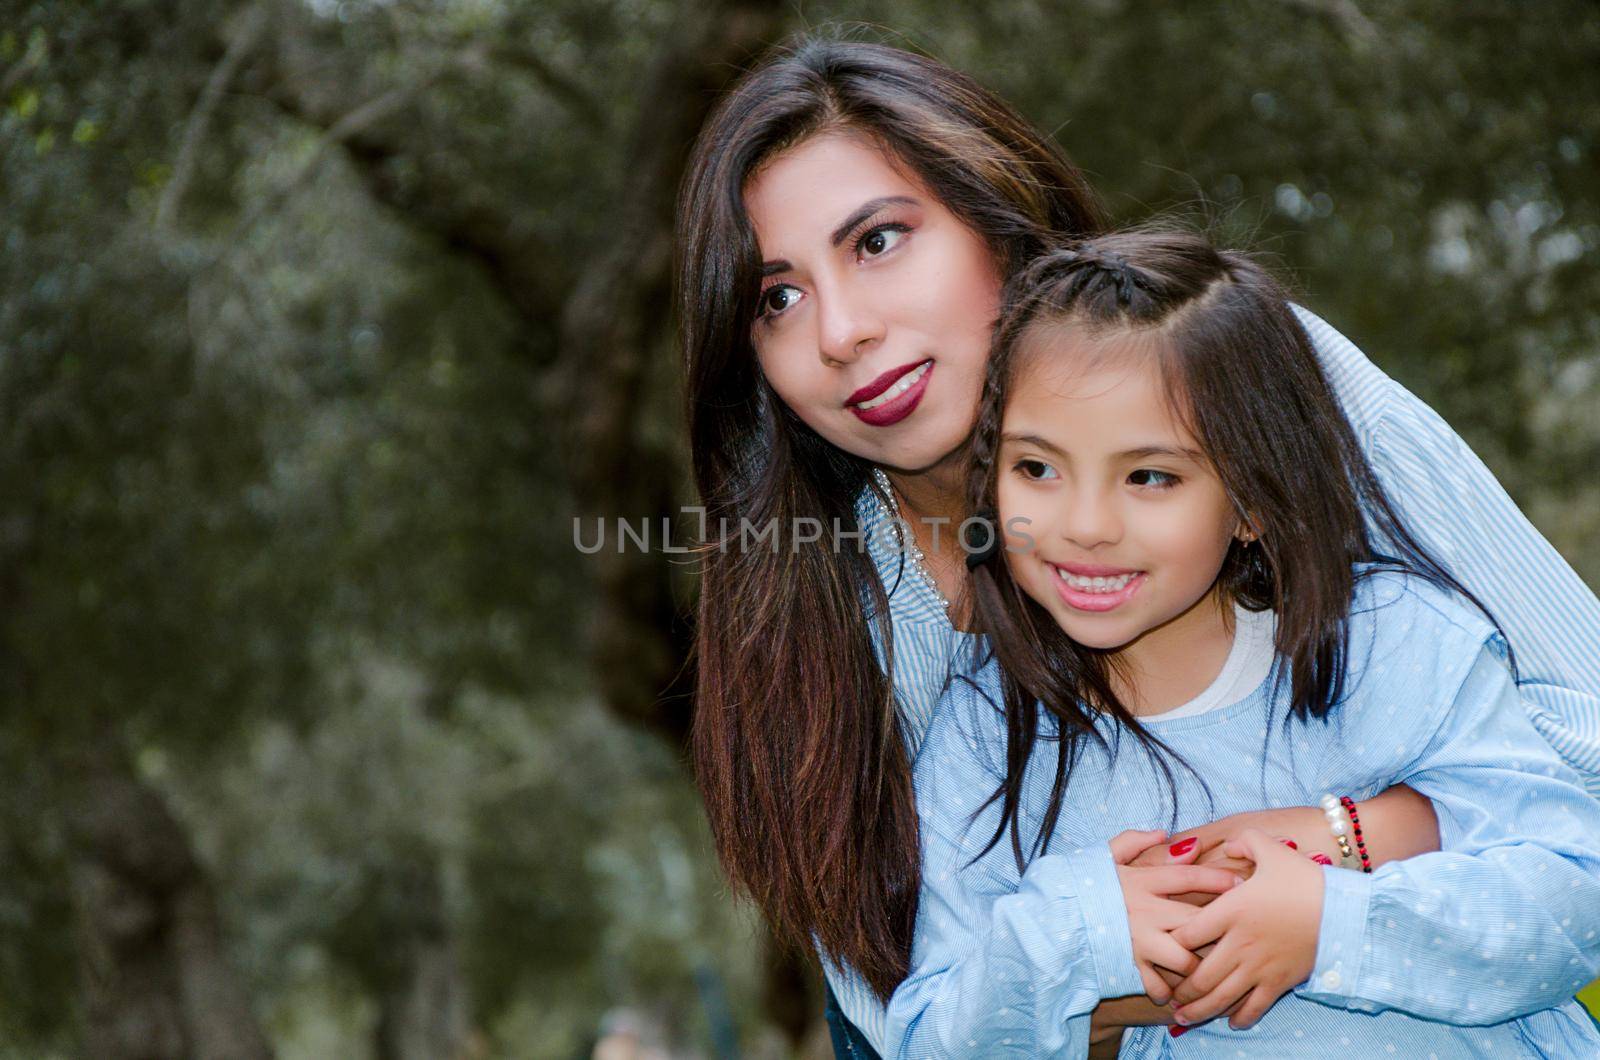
x,y
1190,590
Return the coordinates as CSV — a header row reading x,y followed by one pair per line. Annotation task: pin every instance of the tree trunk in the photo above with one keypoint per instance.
x,y
423,1010
612,340
156,982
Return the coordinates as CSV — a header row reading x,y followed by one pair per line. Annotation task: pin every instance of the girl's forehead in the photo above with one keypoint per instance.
x,y
1065,356
1098,386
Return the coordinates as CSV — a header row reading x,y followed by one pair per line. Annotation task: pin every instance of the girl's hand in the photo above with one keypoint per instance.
x,y
1265,932
1152,914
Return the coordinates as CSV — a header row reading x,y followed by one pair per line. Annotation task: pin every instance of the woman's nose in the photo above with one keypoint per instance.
x,y
847,325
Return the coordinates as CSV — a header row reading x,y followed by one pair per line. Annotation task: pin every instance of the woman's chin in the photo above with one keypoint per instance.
x,y
917,453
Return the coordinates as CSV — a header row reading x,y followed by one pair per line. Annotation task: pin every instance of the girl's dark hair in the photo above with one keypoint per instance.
x,y
796,743
1240,372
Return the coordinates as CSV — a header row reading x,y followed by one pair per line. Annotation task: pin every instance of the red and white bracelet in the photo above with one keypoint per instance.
x,y
1343,821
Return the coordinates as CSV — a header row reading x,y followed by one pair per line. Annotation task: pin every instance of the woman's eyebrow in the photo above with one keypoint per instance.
x,y
866,210
861,213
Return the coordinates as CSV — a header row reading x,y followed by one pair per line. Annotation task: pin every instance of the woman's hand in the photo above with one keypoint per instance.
x,y
1152,914
1143,850
1113,1015
1399,823
1265,934
1187,848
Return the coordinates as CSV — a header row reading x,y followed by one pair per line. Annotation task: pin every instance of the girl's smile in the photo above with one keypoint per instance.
x,y
1103,591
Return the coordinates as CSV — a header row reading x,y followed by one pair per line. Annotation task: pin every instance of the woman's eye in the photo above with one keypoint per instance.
x,y
1036,470
1157,479
776,299
878,241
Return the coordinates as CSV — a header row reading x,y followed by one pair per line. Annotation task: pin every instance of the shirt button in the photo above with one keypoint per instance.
x,y
1331,980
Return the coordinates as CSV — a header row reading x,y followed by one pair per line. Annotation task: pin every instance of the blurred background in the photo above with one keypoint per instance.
x,y
321,321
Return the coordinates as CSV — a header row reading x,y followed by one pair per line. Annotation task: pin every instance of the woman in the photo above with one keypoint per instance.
x,y
847,220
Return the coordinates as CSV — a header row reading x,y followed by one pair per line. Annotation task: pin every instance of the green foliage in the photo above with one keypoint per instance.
x,y
284,499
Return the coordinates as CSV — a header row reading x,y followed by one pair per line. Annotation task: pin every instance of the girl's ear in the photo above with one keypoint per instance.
x,y
1246,531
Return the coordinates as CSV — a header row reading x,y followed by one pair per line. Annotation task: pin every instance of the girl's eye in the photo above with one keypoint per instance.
x,y
1155,479
776,299
875,242
1034,470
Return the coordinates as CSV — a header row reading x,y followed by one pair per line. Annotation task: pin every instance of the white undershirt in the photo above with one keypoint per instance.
x,y
1248,663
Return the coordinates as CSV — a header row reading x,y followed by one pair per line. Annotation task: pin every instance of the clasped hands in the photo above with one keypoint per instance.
x,y
1220,931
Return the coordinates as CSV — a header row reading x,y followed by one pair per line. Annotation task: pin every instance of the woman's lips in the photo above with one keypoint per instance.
x,y
901,404
883,382
1086,600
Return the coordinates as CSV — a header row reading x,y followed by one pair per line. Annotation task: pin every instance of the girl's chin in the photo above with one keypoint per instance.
x,y
1102,634
1100,643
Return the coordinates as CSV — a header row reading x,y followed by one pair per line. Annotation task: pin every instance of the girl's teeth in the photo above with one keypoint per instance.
x,y
904,383
1096,585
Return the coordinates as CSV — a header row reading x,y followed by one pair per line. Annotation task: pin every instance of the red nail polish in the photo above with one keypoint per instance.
x,y
1177,1029
1178,850
1291,844
1321,859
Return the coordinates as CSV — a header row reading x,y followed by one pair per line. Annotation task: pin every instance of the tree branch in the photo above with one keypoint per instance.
x,y
560,86
532,282
1357,27
245,38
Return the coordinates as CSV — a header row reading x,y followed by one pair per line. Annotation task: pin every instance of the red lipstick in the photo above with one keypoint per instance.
x,y
882,383
894,394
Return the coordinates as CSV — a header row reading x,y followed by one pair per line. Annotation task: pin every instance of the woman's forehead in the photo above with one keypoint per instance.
x,y
807,191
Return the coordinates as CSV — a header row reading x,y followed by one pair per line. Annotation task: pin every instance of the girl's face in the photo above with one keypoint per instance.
x,y
1129,521
876,304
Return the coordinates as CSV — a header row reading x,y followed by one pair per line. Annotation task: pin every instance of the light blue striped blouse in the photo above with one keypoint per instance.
x,y
1447,498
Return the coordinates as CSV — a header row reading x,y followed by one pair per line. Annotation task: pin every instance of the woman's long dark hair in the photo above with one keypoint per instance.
x,y
796,744
1240,372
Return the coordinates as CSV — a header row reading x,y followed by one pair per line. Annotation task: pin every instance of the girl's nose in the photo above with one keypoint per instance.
x,y
1090,519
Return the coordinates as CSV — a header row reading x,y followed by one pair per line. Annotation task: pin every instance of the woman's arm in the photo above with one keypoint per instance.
x,y
1454,506
1505,920
1397,824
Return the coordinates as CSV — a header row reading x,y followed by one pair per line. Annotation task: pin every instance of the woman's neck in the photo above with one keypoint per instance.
x,y
932,503
1168,666
934,496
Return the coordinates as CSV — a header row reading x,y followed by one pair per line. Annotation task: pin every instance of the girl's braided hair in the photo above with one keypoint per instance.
x,y
1241,374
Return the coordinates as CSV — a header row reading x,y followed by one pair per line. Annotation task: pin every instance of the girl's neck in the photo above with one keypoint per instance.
x,y
1168,666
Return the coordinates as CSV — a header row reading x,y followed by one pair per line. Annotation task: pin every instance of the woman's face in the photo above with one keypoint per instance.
x,y
876,303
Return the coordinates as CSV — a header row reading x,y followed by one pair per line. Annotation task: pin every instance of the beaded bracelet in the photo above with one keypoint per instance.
x,y
1349,805
1334,810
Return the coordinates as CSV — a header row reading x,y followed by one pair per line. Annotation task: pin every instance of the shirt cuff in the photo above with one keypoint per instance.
x,y
1091,874
1346,896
